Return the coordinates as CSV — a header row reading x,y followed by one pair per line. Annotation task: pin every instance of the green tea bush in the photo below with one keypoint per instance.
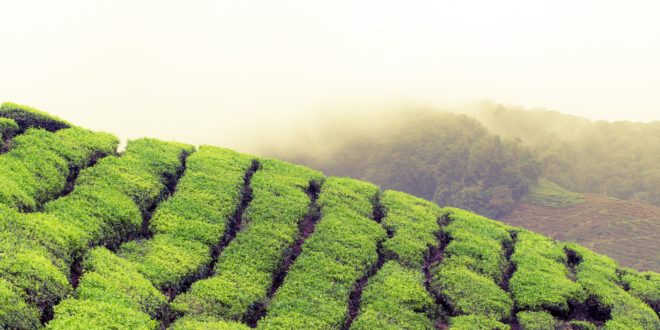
x,y
340,251
582,325
207,195
395,298
473,265
8,128
476,322
167,260
73,314
536,321
110,198
598,275
477,243
643,285
206,323
246,267
37,167
540,281
192,221
27,117
14,312
32,271
414,225
107,277
471,293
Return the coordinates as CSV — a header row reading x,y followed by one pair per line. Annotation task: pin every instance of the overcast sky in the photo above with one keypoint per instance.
x,y
210,71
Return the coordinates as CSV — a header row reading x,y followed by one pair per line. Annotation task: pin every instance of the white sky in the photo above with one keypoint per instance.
x,y
209,71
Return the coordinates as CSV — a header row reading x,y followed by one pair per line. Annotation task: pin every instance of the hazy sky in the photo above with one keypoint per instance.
x,y
210,71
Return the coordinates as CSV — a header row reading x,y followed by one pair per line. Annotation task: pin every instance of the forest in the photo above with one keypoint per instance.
x,y
486,159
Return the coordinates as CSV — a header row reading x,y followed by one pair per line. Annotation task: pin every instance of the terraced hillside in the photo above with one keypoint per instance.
x,y
166,235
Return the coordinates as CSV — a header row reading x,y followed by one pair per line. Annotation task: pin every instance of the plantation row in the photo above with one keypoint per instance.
x,y
164,235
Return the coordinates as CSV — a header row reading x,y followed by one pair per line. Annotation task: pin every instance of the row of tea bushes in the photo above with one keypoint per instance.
x,y
244,272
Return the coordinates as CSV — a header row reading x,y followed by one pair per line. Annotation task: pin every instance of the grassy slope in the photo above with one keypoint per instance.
x,y
457,268
624,230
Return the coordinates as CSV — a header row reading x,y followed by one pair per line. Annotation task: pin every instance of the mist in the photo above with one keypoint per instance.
x,y
228,73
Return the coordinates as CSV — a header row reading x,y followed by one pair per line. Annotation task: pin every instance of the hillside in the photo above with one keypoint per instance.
x,y
624,230
166,235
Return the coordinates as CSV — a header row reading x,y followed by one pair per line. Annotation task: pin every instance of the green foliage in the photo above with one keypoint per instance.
x,y
643,285
477,243
8,128
244,269
191,222
536,321
206,196
617,159
548,193
395,298
166,260
540,280
476,322
473,265
470,293
598,275
582,325
27,117
32,270
450,159
109,198
14,312
414,224
38,165
85,314
112,279
340,251
206,323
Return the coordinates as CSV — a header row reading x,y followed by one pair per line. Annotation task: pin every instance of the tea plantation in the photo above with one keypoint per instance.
x,y
168,236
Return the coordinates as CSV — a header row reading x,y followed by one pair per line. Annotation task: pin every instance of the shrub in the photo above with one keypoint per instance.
x,y
477,243
112,279
191,222
27,117
582,325
395,298
414,224
540,280
470,293
476,322
536,321
40,162
14,312
245,268
8,128
333,258
85,314
643,285
597,274
33,271
207,323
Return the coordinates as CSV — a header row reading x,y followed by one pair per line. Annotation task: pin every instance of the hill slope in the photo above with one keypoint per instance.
x,y
625,230
165,235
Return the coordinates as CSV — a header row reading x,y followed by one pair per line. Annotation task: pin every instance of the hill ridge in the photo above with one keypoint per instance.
x,y
166,235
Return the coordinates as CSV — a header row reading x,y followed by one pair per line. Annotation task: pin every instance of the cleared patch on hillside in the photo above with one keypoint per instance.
x,y
626,231
548,193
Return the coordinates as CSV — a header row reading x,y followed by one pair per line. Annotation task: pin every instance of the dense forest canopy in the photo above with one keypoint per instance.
x,y
487,160
451,159
618,159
